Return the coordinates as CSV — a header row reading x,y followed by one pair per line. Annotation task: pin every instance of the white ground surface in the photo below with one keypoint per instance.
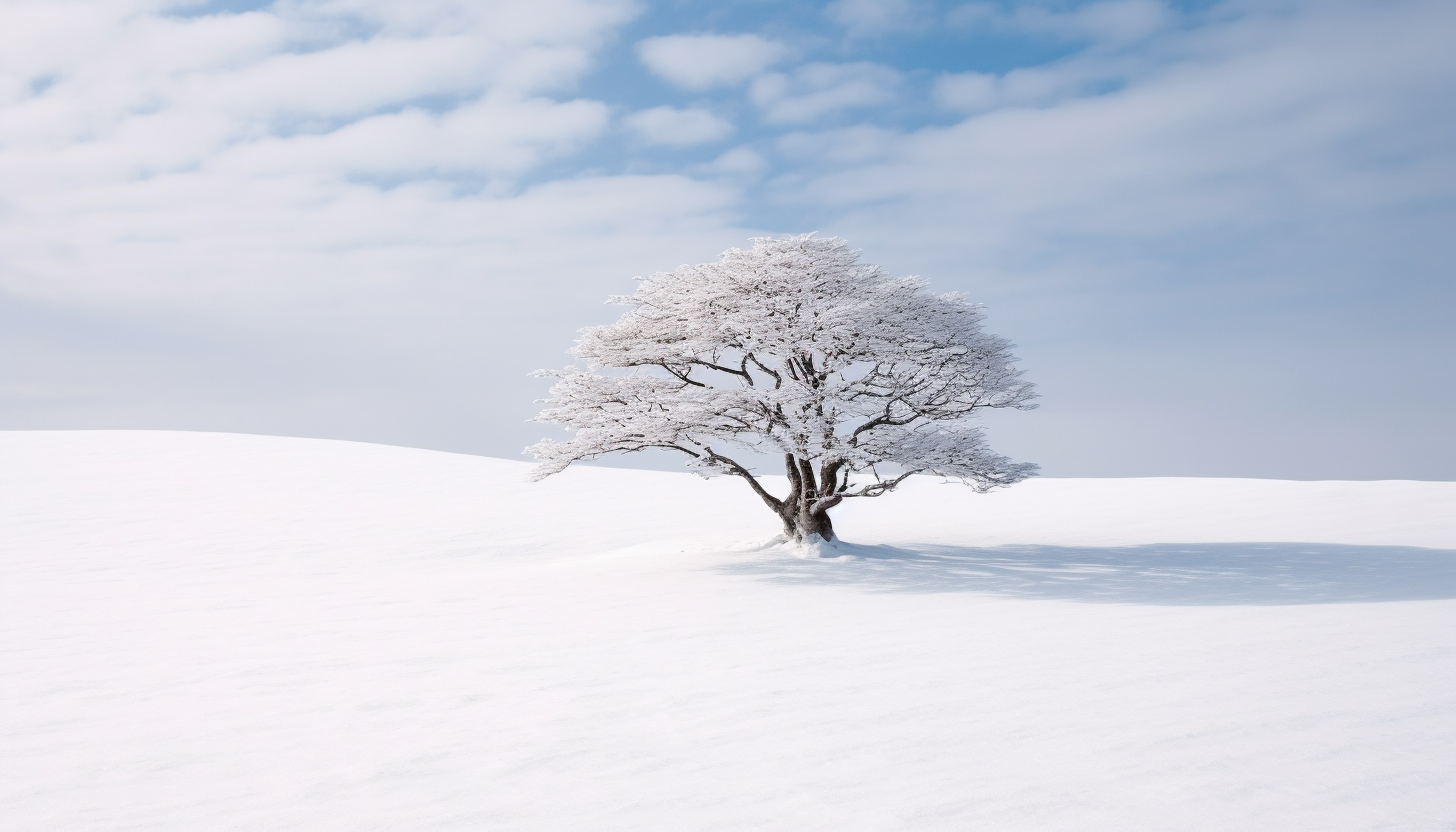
x,y
208,631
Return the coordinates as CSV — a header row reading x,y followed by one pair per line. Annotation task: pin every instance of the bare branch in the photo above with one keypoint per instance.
x,y
681,376
868,370
879,487
773,502
778,379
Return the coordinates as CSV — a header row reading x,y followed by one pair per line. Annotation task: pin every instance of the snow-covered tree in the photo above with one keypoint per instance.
x,y
859,379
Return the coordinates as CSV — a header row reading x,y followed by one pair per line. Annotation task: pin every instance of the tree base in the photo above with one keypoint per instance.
x,y
814,547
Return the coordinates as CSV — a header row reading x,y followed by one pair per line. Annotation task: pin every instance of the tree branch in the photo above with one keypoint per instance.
x,y
682,376
720,368
875,489
773,502
796,483
778,379
883,420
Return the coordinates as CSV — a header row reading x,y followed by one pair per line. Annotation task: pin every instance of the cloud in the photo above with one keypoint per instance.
x,y
700,62
276,92
1112,22
316,218
139,126
371,219
1040,86
864,18
544,21
847,146
815,90
1254,102
490,137
743,162
409,315
1262,206
678,128
1257,136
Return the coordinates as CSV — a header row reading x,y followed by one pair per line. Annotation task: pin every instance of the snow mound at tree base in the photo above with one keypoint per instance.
x,y
204,631
817,548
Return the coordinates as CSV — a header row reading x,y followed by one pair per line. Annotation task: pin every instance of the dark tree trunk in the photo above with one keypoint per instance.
x,y
804,513
800,525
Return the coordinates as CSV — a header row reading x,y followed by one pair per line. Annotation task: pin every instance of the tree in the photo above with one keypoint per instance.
x,y
858,378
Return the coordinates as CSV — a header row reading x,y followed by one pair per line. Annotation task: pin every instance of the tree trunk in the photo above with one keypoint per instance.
x,y
804,515
801,524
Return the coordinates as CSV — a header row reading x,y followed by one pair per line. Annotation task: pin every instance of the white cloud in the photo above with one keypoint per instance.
x,y
968,91
849,146
263,93
1263,205
1195,143
1039,86
138,126
815,90
492,136
544,21
678,128
699,62
742,162
1110,22
298,306
864,18
281,220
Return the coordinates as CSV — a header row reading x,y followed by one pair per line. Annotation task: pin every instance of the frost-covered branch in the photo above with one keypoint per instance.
x,y
867,371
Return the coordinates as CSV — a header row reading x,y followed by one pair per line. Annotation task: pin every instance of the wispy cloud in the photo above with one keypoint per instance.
x,y
868,18
1110,22
678,127
700,62
815,90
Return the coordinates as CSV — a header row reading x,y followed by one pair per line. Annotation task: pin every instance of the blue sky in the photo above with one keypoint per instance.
x,y
1219,232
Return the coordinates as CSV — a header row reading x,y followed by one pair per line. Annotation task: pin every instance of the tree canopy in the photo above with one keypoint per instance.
x,y
794,347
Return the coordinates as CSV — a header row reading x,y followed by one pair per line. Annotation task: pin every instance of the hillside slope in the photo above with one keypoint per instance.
x,y
209,631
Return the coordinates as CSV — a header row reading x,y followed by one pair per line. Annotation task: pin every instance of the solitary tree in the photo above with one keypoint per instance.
x,y
859,379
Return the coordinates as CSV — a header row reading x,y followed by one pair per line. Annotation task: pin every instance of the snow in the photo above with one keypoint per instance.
x,y
211,631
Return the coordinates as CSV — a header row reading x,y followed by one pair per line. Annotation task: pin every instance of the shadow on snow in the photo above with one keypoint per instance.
x,y
1163,573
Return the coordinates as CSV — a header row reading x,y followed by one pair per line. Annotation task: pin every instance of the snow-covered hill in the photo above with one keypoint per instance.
x,y
210,631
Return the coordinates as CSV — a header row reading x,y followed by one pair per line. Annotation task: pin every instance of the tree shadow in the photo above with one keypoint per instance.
x,y
1162,573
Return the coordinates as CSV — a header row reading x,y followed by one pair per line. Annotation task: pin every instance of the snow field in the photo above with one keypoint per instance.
x,y
207,631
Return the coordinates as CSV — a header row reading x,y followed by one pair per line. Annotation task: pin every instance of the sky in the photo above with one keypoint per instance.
x,y
1220,233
